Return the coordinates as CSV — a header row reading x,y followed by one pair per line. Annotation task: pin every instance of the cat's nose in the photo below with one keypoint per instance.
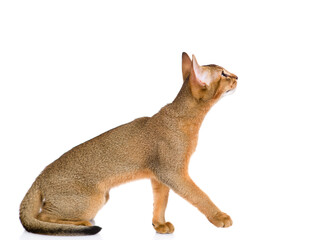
x,y
234,76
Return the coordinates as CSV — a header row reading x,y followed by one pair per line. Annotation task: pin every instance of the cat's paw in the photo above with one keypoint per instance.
x,y
221,219
164,227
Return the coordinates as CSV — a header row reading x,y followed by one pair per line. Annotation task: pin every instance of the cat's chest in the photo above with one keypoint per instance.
x,y
192,144
184,144
190,136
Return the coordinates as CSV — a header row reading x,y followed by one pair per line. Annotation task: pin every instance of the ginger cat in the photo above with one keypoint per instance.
x,y
70,191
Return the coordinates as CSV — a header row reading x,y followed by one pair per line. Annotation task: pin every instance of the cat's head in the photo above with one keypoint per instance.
x,y
208,82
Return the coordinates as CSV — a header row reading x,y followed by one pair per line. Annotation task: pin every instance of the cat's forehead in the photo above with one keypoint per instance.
x,y
213,67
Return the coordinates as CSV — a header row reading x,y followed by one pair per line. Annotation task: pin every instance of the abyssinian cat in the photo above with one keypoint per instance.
x,y
70,191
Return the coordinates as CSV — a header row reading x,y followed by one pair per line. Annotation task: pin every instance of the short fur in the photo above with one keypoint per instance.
x,y
70,191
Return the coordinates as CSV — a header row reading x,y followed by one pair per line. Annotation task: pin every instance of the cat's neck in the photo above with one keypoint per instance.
x,y
186,109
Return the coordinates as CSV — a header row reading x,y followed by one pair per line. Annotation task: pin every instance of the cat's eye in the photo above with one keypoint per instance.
x,y
223,74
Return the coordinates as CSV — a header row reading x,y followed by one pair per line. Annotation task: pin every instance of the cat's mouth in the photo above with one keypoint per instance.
x,y
232,90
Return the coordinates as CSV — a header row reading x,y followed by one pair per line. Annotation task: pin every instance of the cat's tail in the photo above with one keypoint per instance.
x,y
30,208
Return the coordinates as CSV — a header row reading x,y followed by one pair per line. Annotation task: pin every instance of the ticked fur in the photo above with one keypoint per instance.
x,y
71,190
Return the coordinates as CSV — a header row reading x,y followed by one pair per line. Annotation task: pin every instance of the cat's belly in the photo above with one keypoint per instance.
x,y
118,179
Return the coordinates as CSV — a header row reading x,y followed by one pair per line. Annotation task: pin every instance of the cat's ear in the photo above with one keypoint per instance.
x,y
198,79
199,75
186,66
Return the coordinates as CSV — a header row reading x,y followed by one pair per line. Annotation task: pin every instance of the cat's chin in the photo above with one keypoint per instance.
x,y
229,92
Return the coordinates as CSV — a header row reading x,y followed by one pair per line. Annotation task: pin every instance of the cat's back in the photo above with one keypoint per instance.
x,y
123,143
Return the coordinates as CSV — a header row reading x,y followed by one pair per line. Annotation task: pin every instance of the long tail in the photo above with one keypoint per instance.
x,y
30,208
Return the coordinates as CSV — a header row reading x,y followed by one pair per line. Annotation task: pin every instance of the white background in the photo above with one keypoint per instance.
x,y
71,70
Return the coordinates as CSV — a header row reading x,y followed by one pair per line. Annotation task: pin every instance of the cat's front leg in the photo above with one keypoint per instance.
x,y
161,194
221,219
186,188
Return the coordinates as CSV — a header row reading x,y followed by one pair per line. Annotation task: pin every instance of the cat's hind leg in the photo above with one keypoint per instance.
x,y
76,209
52,219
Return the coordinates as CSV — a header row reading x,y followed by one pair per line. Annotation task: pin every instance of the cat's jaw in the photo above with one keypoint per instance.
x,y
229,92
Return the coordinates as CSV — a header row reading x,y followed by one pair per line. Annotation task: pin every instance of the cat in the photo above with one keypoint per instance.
x,y
68,193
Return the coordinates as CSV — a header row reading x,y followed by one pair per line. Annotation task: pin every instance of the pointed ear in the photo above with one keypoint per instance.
x,y
199,75
186,66
197,79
